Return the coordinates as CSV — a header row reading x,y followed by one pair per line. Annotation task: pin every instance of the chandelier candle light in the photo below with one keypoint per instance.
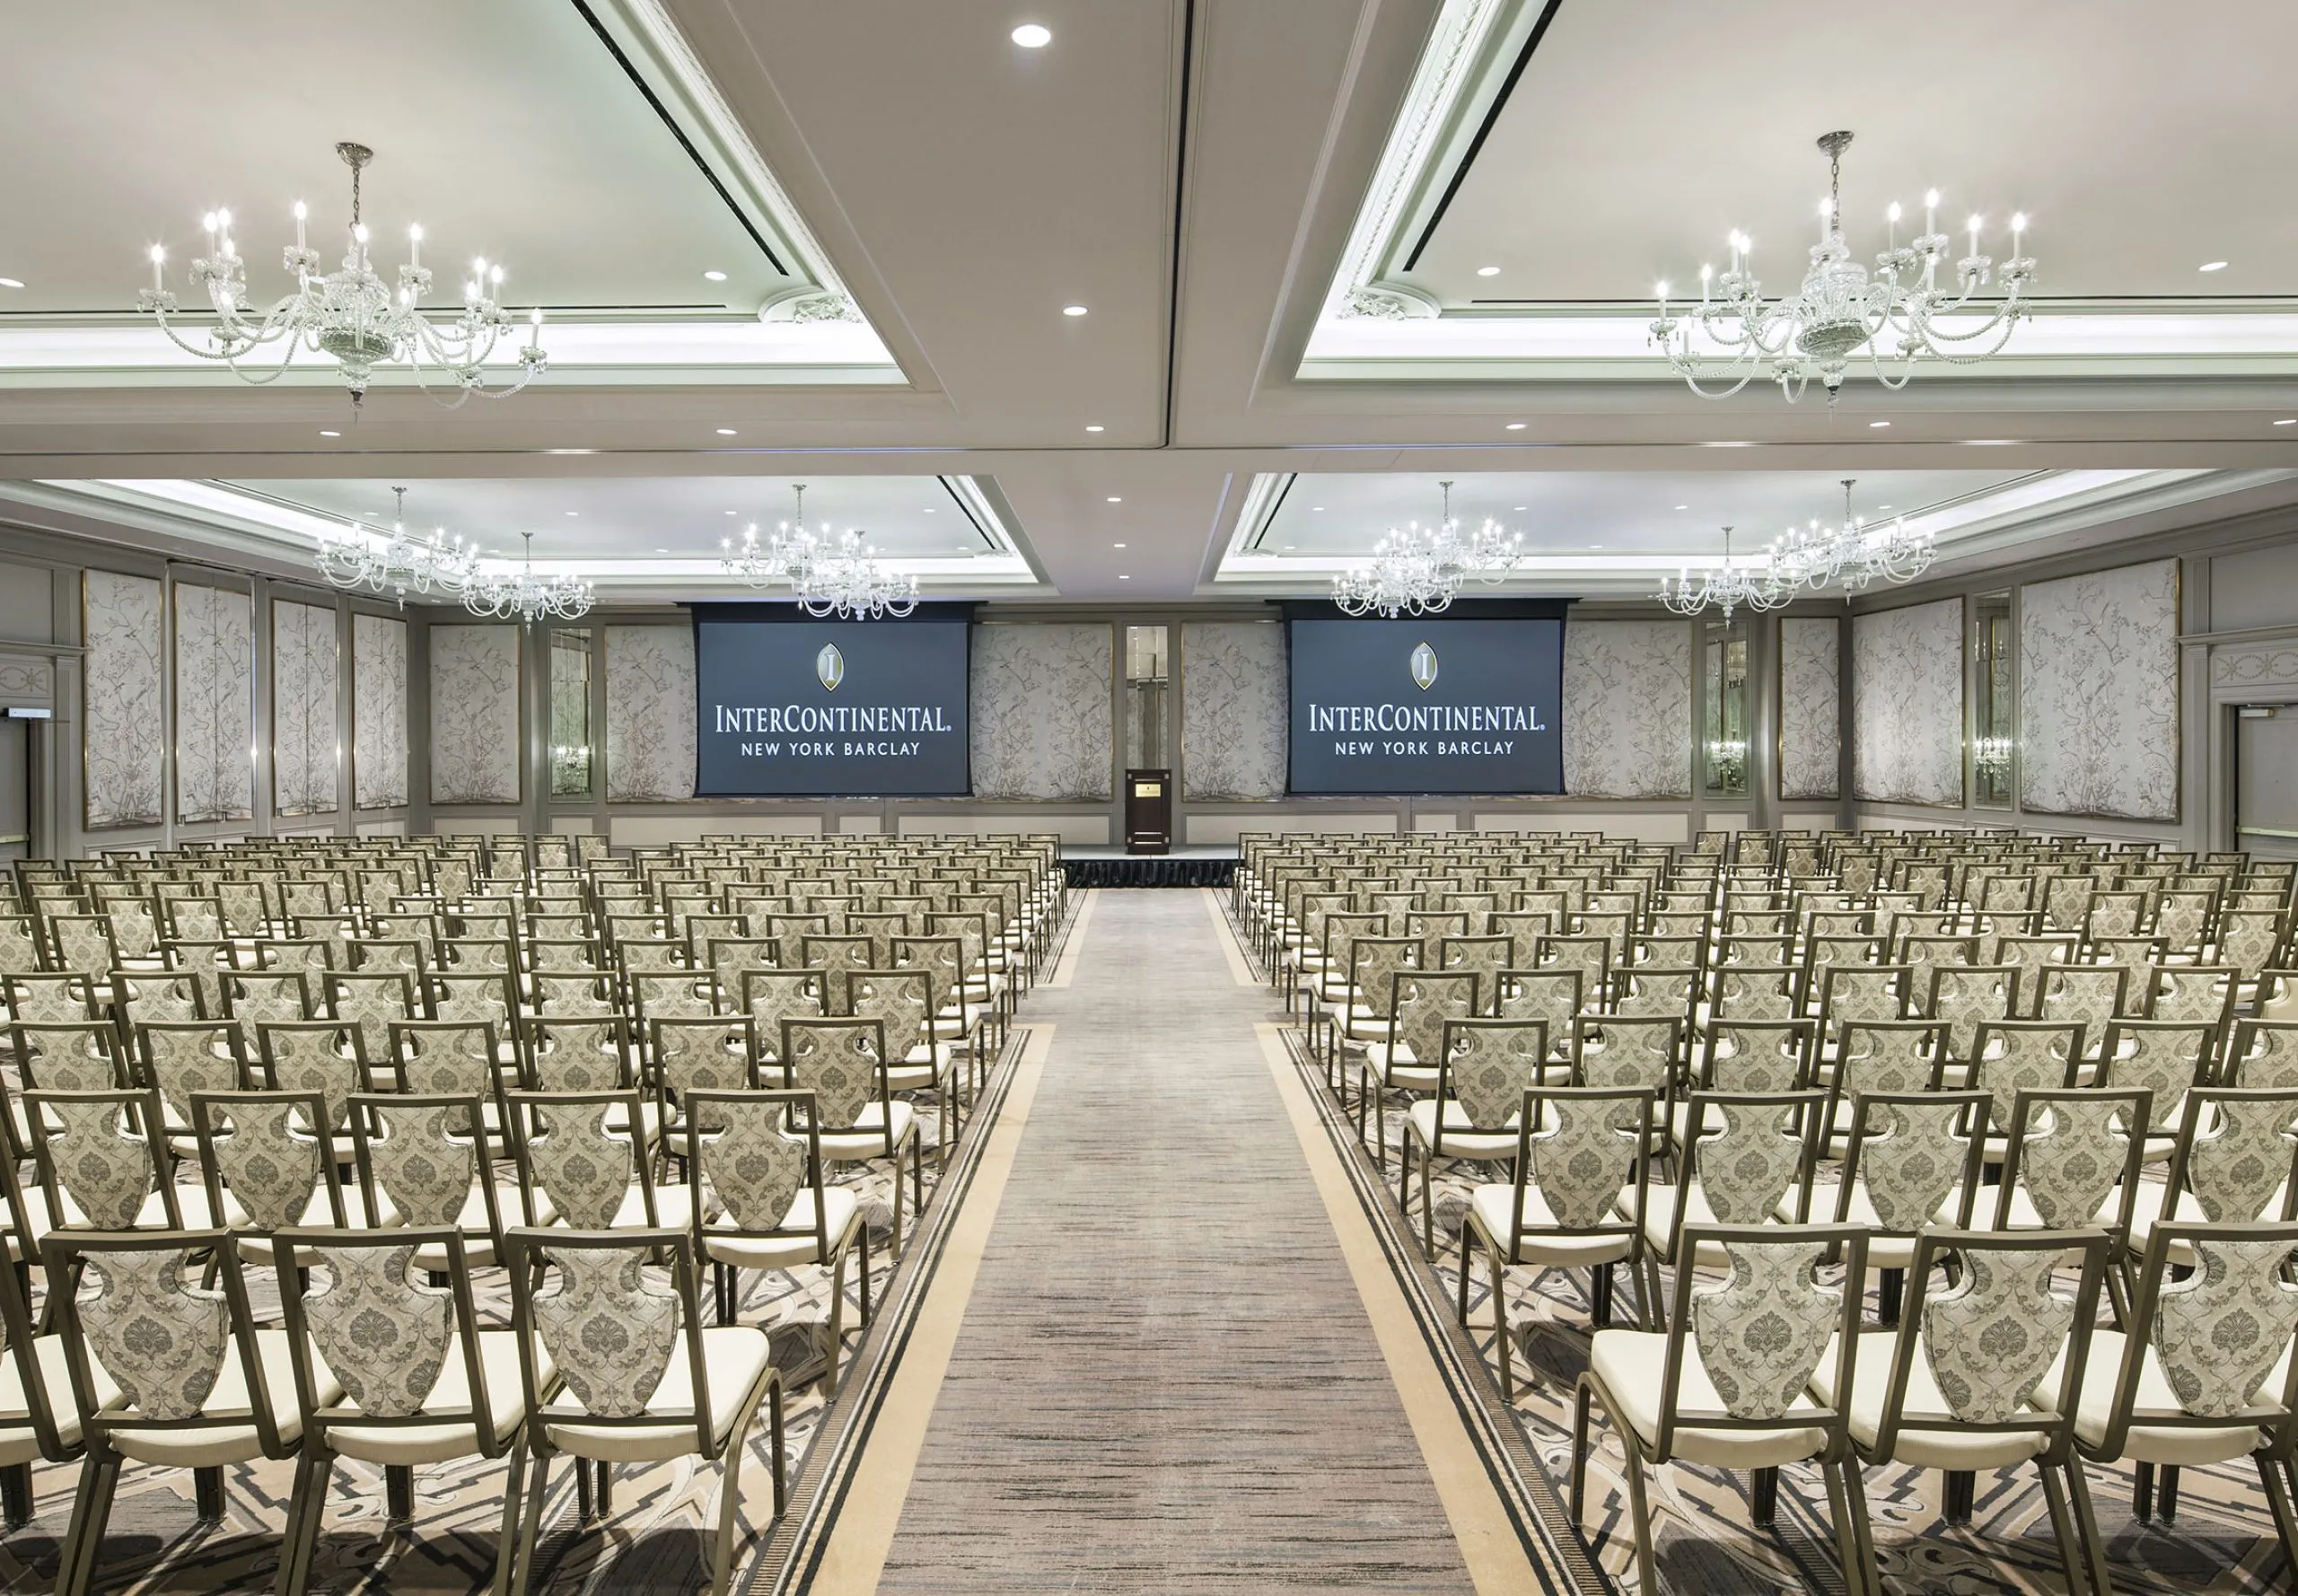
x,y
1843,308
839,576
1419,571
522,595
350,315
1853,554
1728,587
357,557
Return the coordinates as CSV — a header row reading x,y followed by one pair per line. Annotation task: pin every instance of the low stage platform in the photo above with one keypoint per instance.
x,y
1182,868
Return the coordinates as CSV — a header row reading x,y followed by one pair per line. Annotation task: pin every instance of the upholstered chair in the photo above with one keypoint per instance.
x,y
1484,1067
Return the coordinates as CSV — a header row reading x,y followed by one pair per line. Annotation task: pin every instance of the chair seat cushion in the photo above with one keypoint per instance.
x,y
841,1211
735,1359
506,1409
1540,1243
1633,1366
18,1444
1921,1449
2173,1445
208,1446
1462,1139
869,1134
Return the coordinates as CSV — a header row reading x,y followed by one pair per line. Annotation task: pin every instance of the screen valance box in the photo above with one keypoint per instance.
x,y
790,707
1467,702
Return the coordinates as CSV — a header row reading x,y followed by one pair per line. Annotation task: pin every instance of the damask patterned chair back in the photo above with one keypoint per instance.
x,y
1760,1333
458,1057
274,1153
55,997
162,1340
589,1054
1959,998
2073,1156
673,994
2067,902
20,944
1523,928
193,1056
78,1055
83,944
2198,994
1484,1069
254,999
1647,990
2184,918
2251,940
769,997
1757,991
1989,1338
972,933
2217,1341
377,954
2016,1055
1752,1153
1739,1055
2115,914
757,1152
1591,957
1578,1148
1887,1056
789,933
1861,992
475,996
142,997
574,994
2084,995
1422,1005
901,999
577,1160
98,1160
1640,1054
1484,957
1551,996
2236,1158
317,1057
841,1062
371,1002
565,955
702,1054
415,1154
1909,1153
1373,964
197,919
2169,1059
731,957
474,955
836,957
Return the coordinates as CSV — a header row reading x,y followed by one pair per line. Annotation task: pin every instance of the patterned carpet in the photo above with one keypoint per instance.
x,y
2221,1543
1165,1380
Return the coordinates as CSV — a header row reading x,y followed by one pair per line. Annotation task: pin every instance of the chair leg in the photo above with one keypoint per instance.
x,y
1427,1198
16,1496
207,1493
90,1510
1646,1576
1581,1399
1863,1529
1600,1295
514,1479
306,1509
1961,1487
2086,1520
522,1560
730,1506
1500,1324
1467,1246
861,1273
1846,1539
1763,1497
584,1511
2062,1528
2167,1503
398,1494
836,1320
1889,1286
2285,1522
606,1487
2142,1490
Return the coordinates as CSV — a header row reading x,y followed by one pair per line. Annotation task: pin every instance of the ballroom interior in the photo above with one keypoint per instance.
x,y
1004,797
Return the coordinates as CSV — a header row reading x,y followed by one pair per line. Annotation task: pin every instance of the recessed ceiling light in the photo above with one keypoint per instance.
x,y
929,509
662,551
1125,578
10,283
1487,271
2288,421
2212,266
1515,426
1991,442
1288,548
1092,427
1522,506
1073,309
730,512
713,275
1879,424
325,433
573,512
1883,506
1595,546
1683,506
1114,499
1117,546
1320,509
1033,36
725,432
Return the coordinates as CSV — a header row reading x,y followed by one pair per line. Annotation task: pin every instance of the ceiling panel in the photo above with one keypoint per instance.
x,y
2140,139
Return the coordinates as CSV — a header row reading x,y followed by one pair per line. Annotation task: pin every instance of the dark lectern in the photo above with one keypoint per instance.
x,y
1148,811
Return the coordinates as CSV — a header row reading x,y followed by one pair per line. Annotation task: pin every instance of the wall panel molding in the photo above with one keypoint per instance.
x,y
123,711
1907,705
477,756
379,712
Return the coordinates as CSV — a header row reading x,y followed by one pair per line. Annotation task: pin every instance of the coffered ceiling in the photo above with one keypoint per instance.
x,y
1203,178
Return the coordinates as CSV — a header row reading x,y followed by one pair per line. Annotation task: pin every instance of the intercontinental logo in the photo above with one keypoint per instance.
x,y
1424,667
829,667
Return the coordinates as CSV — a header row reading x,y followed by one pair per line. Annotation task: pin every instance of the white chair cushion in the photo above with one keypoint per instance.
x,y
1461,1137
734,1359
840,1208
1540,1243
208,1446
1633,1364
1921,1449
18,1444
506,1407
2174,1446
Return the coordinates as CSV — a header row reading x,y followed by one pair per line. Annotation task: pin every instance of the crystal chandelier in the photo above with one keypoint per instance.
x,y
350,315
838,575
1728,587
522,595
1854,553
1843,308
1419,571
357,557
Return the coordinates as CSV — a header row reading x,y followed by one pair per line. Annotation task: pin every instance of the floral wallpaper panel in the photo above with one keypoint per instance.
x,y
475,714
122,717
1810,702
1233,710
1041,720
650,714
304,669
1628,709
2099,694
1907,705
379,712
214,704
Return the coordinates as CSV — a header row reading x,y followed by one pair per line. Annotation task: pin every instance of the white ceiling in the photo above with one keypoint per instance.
x,y
1191,173
2141,140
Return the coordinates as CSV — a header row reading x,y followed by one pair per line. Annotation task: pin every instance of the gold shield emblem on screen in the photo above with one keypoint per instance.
x,y
1424,667
829,667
